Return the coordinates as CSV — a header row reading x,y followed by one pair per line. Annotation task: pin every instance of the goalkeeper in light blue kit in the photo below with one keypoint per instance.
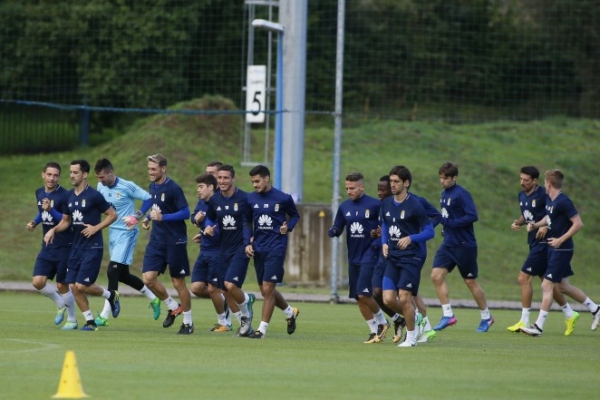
x,y
123,233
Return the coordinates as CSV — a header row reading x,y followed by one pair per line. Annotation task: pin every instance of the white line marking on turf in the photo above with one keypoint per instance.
x,y
43,346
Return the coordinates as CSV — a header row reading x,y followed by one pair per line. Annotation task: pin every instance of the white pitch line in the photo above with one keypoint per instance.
x,y
43,346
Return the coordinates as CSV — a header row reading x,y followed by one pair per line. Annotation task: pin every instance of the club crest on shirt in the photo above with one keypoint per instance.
x,y
367,213
51,203
162,197
402,215
118,194
533,203
83,203
449,200
276,207
235,206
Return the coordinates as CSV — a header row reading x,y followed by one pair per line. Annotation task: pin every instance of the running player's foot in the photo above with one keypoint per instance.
x,y
485,324
382,330
227,312
70,326
291,322
399,325
220,328
60,315
171,316
186,329
101,321
155,306
408,343
517,327
372,339
115,304
89,326
445,322
245,326
251,300
257,335
533,330
596,319
427,336
570,322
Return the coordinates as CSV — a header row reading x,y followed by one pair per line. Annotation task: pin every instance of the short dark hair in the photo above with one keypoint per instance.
x,y
214,163
227,167
385,178
103,164
207,179
448,169
532,171
260,170
355,177
402,172
83,164
52,164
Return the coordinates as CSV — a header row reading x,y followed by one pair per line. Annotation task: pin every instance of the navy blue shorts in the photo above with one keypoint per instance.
x,y
378,274
559,264
463,257
269,266
159,255
403,273
360,280
206,269
52,263
235,266
537,260
83,266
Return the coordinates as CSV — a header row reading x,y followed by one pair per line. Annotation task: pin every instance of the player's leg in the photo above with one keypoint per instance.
x,y
442,265
179,269
578,295
43,270
466,259
234,279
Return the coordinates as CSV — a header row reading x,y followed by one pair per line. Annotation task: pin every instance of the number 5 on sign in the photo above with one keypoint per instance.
x,y
256,86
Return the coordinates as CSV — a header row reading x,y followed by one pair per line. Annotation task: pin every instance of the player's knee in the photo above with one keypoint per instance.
x,y
198,288
112,272
39,282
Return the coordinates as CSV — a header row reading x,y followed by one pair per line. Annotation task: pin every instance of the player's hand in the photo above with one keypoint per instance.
x,y
384,250
284,228
530,227
199,217
404,242
541,233
249,251
46,205
515,226
31,226
373,233
146,224
209,231
49,237
131,221
333,231
156,215
197,238
555,242
89,230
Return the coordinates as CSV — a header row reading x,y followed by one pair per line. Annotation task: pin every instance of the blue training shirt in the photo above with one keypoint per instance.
x,y
122,195
458,215
229,213
434,217
87,207
359,218
59,201
208,244
399,220
533,209
269,211
559,213
168,198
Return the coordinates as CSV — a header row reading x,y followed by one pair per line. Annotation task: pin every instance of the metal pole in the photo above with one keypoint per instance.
x,y
279,116
337,146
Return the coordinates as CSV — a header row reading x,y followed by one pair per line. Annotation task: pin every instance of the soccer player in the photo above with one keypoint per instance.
x,y
359,215
404,226
85,208
563,223
212,168
274,216
459,248
227,210
122,234
52,201
205,275
532,201
168,243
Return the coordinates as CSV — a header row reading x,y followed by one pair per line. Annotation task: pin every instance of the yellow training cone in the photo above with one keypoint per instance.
x,y
69,386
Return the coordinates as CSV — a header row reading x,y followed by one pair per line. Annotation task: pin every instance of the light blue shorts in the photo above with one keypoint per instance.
x,y
121,244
